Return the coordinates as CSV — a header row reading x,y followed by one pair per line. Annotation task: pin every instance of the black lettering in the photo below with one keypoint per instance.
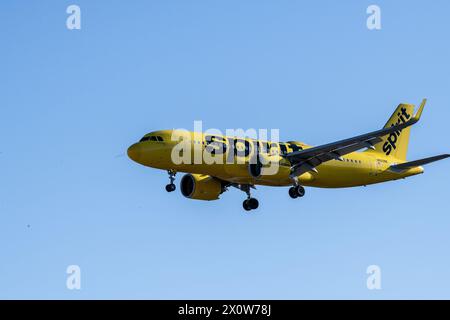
x,y
398,131
405,113
401,118
246,147
392,139
387,148
215,144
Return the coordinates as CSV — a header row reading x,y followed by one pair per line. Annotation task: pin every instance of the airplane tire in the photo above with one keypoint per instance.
x,y
253,203
300,191
246,205
170,187
293,192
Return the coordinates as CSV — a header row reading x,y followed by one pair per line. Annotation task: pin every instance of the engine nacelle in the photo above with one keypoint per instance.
x,y
200,187
275,170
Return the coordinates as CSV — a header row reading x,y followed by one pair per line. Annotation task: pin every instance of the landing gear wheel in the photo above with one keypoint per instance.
x,y
250,204
300,191
170,187
293,192
253,203
296,192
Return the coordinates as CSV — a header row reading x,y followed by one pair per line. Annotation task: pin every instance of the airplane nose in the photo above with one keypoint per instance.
x,y
134,152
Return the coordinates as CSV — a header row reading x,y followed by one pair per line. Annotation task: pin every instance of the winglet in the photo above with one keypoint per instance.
x,y
419,111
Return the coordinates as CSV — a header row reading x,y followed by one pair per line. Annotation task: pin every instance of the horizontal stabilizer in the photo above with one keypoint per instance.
x,y
415,163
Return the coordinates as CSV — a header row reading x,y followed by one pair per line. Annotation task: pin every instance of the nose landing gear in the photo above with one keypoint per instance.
x,y
171,186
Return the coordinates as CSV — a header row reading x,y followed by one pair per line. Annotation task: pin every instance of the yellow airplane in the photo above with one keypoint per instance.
x,y
332,165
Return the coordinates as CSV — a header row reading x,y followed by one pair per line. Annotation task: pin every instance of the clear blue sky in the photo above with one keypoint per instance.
x,y
71,102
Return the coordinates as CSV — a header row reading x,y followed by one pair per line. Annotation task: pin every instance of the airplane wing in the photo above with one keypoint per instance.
x,y
415,163
308,159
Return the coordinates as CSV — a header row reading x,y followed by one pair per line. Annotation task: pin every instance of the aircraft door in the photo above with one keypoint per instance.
x,y
377,167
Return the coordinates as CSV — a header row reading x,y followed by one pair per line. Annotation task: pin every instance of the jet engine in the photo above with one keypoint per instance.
x,y
200,187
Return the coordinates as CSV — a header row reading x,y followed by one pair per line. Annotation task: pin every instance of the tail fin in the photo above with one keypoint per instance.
x,y
396,143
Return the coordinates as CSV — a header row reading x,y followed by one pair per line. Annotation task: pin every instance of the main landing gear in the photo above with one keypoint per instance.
x,y
171,186
296,191
250,203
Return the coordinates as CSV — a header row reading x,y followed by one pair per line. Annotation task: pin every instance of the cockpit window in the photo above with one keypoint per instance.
x,y
151,138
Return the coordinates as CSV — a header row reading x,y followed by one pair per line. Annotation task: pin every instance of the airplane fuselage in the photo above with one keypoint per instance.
x,y
156,150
